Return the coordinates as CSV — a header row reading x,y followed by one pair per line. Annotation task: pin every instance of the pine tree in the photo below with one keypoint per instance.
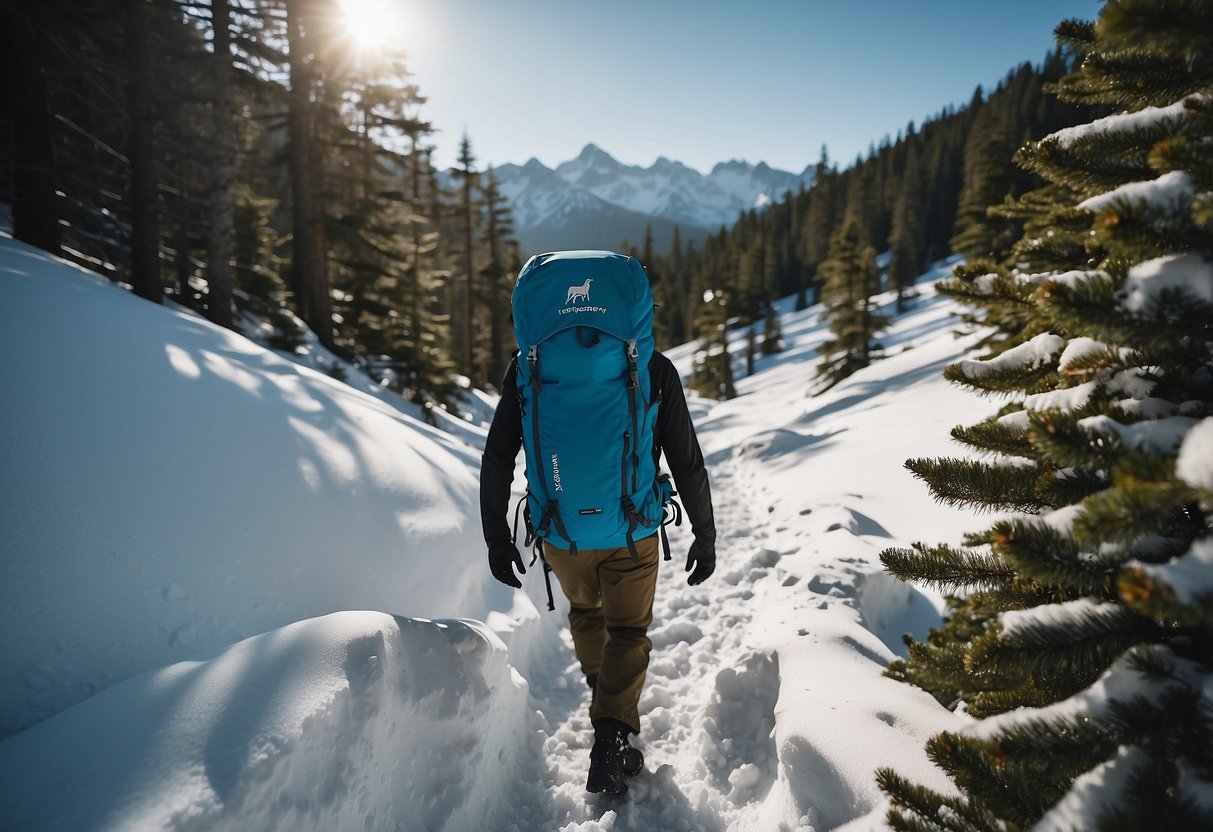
x,y
141,150
907,238
497,277
712,371
1089,608
851,279
34,133
309,251
223,161
772,331
468,212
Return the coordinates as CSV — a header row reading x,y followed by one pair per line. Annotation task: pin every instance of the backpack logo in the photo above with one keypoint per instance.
x,y
582,291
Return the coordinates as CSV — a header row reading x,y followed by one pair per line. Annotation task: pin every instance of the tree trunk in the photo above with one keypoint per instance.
x,y
221,242
145,207
35,214
467,291
300,133
308,276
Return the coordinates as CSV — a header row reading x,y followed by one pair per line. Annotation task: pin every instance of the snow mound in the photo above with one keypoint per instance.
x,y
354,720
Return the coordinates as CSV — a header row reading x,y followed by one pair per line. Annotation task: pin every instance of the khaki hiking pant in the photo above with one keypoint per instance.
x,y
611,598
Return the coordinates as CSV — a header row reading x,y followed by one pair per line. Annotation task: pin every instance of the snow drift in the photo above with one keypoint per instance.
x,y
171,487
355,720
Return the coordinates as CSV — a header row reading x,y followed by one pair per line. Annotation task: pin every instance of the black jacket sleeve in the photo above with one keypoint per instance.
x,y
676,436
497,462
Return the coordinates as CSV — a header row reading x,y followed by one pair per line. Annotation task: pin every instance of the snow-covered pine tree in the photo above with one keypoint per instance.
x,y
1091,602
851,278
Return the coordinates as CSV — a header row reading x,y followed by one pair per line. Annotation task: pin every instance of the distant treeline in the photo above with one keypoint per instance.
x,y
919,197
247,159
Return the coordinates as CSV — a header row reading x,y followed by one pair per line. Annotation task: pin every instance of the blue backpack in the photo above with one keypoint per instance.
x,y
583,321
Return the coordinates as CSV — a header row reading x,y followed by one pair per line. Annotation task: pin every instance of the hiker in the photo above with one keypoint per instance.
x,y
586,382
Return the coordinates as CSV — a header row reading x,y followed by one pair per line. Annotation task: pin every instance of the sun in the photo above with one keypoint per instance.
x,y
372,24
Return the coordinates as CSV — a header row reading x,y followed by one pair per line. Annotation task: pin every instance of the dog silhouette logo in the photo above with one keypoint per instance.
x,y
582,291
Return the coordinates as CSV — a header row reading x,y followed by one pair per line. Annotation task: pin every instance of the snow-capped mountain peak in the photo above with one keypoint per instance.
x,y
596,200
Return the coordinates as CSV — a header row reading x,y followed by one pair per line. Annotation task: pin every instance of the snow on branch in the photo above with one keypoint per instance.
x,y
1189,576
1190,273
1094,793
1195,463
1068,615
1120,123
1125,680
1070,279
1016,420
1067,399
1078,349
1170,189
1158,436
1029,355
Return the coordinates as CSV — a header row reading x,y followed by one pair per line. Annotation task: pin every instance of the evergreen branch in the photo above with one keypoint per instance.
x,y
1084,645
946,568
1154,599
1047,555
1017,380
932,812
993,436
970,484
989,781
1059,438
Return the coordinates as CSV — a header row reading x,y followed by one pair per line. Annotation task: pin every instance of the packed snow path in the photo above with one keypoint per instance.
x,y
707,707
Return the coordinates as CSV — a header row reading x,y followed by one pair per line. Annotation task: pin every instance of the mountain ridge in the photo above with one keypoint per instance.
x,y
595,201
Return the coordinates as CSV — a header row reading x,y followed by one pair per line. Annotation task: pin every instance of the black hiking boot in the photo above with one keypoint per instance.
x,y
612,759
633,760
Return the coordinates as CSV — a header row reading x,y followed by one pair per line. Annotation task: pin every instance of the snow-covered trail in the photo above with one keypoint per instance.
x,y
707,707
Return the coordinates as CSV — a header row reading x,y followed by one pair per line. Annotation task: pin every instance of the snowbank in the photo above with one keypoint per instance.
x,y
170,488
355,720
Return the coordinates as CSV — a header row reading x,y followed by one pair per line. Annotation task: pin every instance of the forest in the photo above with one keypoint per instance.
x,y
248,160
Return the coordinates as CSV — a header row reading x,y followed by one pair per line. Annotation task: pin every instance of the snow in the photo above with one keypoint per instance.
x,y
1189,576
1166,191
1018,420
1157,436
1026,356
321,724
1065,399
1078,349
1071,279
173,489
1093,793
1120,123
1195,463
1189,273
1068,613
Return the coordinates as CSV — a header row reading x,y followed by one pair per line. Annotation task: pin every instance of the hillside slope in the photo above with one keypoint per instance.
x,y
170,487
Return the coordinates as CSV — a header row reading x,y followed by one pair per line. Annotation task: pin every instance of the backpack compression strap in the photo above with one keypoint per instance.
x,y
550,510
635,518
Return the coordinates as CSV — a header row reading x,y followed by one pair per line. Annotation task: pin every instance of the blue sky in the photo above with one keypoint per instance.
x,y
708,81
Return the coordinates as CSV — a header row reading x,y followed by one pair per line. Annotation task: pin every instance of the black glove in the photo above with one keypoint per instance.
x,y
502,556
701,562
